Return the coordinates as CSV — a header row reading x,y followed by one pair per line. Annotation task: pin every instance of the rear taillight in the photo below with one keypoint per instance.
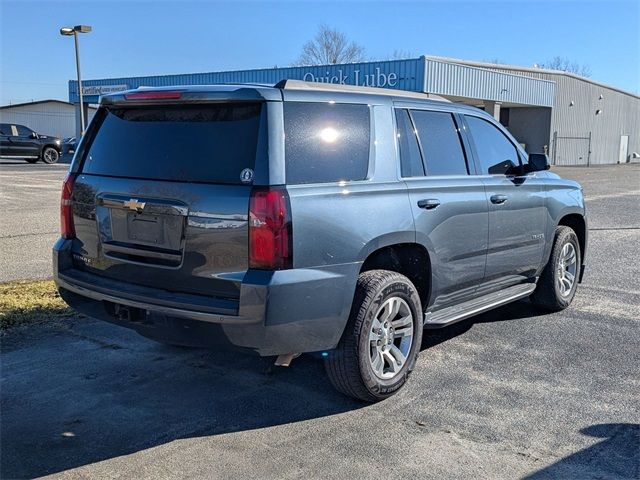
x,y
67,229
153,95
269,229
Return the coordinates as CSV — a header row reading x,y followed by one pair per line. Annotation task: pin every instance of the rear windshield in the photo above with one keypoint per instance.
x,y
188,143
326,142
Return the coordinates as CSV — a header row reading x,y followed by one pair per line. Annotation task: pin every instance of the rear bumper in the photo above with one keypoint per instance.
x,y
288,311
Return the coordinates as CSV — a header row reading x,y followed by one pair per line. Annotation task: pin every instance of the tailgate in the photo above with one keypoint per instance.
x,y
162,197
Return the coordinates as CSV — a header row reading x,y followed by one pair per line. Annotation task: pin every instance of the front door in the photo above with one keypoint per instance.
x,y
449,205
25,142
517,206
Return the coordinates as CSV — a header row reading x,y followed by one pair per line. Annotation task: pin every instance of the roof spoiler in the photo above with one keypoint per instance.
x,y
190,94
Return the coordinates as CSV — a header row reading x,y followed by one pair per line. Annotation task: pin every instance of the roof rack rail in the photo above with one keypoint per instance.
x,y
289,84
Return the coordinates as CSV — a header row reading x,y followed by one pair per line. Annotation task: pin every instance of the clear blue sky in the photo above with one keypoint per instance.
x,y
160,37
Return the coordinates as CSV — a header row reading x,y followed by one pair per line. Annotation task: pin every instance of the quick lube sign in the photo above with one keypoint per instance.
x,y
377,78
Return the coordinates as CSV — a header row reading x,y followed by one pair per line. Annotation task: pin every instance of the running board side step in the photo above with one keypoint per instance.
x,y
455,313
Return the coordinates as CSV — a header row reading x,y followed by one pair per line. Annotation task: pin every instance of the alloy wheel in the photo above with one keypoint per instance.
x,y
50,155
567,268
391,337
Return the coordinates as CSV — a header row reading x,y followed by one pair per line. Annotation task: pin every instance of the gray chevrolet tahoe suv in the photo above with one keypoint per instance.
x,y
310,218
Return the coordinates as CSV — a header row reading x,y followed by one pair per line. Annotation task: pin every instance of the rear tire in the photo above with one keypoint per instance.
x,y
50,155
559,280
382,339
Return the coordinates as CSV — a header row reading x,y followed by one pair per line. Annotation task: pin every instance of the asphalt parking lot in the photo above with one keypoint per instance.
x,y
30,206
519,393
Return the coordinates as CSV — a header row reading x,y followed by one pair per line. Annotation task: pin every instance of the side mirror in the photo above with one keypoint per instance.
x,y
34,135
506,167
538,162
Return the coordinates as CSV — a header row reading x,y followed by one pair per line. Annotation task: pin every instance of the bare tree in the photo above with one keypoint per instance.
x,y
330,46
565,65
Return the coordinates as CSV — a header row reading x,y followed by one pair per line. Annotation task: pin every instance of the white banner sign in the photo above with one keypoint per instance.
x,y
103,89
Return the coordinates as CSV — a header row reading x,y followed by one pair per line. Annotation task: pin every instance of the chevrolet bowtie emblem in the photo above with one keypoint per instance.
x,y
134,204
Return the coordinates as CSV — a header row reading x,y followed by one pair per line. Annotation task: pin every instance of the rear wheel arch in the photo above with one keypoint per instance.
x,y
409,259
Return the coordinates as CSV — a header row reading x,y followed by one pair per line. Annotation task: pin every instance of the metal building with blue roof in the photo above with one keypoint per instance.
x,y
524,100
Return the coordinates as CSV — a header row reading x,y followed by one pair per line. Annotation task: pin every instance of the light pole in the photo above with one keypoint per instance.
x,y
68,31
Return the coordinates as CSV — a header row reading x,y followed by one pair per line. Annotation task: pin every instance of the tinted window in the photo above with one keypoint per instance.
x,y
23,131
492,146
410,159
9,129
326,142
211,143
440,142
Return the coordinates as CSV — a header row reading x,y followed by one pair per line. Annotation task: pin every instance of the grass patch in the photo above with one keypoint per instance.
x,y
28,302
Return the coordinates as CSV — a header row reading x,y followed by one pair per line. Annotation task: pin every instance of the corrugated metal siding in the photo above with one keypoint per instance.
x,y
49,118
445,78
620,116
409,75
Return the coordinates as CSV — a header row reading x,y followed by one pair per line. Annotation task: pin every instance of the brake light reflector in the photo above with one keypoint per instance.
x,y
67,229
269,229
151,95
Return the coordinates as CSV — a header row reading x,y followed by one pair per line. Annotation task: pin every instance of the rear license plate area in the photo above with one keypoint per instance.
x,y
144,229
148,229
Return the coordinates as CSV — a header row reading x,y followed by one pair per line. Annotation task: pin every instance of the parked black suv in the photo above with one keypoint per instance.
x,y
18,141
310,218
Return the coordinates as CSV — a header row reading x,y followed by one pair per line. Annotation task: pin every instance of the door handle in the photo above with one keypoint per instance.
x,y
428,203
498,199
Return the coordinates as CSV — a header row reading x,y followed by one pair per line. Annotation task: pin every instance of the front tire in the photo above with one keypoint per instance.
x,y
50,155
559,280
381,342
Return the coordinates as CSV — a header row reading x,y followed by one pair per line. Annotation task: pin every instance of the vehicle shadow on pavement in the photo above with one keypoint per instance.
x,y
95,392
520,310
617,452
92,391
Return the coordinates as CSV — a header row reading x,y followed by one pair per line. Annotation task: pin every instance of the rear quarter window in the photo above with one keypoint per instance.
x,y
326,142
187,143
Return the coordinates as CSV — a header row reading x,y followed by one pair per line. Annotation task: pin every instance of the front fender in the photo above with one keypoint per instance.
x,y
564,197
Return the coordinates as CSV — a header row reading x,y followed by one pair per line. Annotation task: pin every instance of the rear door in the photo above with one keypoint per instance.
x,y
449,205
517,208
162,195
13,143
5,144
